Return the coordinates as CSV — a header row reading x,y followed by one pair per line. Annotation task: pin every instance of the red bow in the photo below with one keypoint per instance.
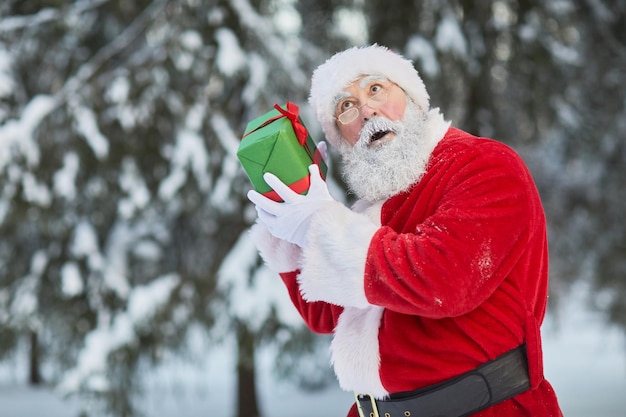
x,y
292,114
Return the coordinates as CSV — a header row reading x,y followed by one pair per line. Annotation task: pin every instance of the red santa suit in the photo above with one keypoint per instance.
x,y
432,282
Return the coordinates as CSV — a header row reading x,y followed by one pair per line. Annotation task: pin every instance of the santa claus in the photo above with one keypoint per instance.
x,y
434,284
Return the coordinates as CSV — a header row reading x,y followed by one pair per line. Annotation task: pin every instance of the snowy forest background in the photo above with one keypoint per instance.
x,y
123,215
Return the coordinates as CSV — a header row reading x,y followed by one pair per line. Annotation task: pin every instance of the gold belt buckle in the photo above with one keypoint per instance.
x,y
374,413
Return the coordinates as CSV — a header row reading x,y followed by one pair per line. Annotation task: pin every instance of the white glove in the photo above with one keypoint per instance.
x,y
322,147
290,219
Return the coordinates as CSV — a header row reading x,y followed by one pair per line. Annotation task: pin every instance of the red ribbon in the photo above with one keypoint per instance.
x,y
299,187
291,113
302,184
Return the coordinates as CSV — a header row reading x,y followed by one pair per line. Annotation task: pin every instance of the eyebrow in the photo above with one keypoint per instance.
x,y
340,96
370,78
362,84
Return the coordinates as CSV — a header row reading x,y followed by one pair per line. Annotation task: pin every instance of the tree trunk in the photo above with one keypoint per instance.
x,y
247,402
35,374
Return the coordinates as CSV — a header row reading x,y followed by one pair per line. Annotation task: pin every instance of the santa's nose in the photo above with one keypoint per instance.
x,y
367,112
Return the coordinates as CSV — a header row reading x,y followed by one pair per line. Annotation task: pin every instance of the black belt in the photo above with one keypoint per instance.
x,y
489,384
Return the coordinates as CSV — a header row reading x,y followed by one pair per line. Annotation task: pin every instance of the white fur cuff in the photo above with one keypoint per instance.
x,y
279,255
333,264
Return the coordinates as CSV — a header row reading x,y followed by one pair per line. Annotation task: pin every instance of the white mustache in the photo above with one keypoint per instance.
x,y
377,124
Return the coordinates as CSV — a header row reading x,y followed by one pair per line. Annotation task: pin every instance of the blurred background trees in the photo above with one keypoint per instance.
x,y
123,210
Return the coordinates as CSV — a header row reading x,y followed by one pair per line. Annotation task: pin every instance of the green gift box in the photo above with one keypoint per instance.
x,y
278,142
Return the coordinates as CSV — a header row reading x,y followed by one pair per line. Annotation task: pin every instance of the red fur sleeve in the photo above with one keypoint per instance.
x,y
319,316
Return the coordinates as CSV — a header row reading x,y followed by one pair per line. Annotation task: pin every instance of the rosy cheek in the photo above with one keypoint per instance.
x,y
355,131
395,112
351,132
394,108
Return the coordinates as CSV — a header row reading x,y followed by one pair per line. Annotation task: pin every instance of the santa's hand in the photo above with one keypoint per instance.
x,y
290,219
322,147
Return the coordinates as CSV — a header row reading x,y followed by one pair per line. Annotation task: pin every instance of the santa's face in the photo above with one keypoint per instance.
x,y
376,169
368,97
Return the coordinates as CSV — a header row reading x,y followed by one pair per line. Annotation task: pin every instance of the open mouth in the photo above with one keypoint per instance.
x,y
378,135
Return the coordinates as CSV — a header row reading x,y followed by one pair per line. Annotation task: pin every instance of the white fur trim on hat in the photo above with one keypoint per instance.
x,y
340,70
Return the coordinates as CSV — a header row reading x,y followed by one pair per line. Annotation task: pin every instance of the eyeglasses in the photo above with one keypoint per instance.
x,y
374,102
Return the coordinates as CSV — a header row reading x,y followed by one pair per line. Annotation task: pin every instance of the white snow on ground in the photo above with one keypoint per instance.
x,y
585,360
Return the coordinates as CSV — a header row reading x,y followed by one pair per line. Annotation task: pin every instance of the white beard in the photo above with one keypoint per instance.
x,y
379,172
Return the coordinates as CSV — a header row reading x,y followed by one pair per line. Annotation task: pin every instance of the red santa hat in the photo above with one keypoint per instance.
x,y
340,70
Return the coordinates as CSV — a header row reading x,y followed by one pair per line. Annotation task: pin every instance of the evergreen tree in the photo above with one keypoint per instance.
x,y
122,193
